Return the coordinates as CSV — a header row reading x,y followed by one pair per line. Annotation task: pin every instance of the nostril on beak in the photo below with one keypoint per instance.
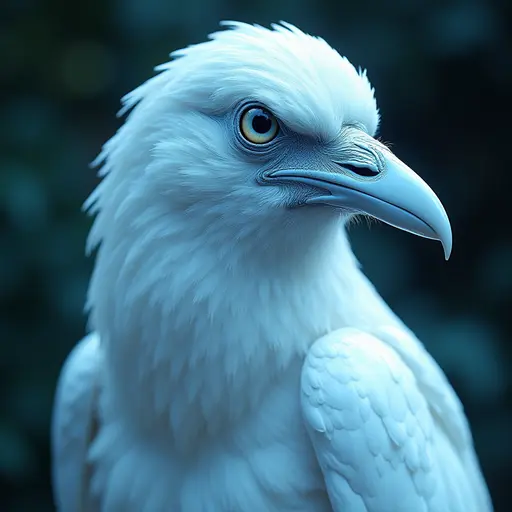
x,y
367,172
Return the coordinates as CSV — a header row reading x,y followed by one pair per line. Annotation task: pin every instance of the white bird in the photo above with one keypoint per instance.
x,y
239,360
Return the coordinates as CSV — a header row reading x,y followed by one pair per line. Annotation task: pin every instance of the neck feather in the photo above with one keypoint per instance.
x,y
197,323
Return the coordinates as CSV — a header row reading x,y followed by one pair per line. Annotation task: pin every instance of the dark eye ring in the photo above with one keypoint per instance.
x,y
258,125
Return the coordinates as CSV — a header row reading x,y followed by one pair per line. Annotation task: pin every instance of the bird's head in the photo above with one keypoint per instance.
x,y
255,128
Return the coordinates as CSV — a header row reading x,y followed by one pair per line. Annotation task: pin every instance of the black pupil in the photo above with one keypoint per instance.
x,y
261,122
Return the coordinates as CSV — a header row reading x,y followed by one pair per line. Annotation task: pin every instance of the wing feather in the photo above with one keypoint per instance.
x,y
444,405
73,425
376,436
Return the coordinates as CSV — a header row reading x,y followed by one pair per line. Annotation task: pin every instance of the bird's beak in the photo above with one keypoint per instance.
x,y
369,178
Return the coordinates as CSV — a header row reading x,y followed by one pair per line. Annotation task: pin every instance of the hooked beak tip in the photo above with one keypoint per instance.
x,y
447,246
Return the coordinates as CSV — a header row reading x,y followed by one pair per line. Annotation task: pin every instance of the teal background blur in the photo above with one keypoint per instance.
x,y
443,77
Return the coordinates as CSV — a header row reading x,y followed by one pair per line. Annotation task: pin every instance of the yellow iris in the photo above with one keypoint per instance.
x,y
258,125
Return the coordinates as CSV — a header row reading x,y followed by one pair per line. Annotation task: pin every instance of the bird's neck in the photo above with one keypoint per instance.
x,y
195,333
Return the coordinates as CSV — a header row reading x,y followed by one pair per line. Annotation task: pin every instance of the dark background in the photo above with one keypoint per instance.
x,y
443,77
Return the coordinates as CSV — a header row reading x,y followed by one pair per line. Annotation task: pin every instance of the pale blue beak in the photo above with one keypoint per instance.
x,y
384,188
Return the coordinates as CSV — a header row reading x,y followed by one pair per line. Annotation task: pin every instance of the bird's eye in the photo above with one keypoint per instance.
x,y
258,125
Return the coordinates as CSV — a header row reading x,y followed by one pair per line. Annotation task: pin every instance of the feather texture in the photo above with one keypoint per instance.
x,y
74,424
378,437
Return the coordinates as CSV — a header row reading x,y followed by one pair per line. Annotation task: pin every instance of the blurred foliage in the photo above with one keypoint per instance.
x,y
443,75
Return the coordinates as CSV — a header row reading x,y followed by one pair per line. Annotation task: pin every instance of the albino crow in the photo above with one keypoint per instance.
x,y
238,359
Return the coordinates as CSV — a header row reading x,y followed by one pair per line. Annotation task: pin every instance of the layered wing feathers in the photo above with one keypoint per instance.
x,y
376,433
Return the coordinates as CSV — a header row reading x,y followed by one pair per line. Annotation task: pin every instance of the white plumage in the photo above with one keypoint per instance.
x,y
240,360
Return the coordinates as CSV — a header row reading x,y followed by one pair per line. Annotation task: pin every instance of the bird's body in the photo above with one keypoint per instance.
x,y
243,362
